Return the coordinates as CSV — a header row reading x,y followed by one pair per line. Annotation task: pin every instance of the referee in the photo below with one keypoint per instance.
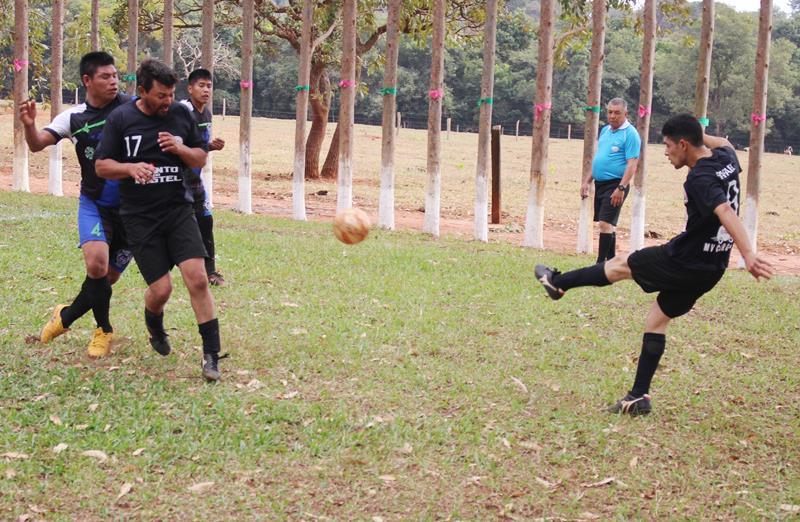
x,y
150,145
691,263
613,167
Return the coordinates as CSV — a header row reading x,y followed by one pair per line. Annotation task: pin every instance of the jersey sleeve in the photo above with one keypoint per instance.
x,y
707,191
60,127
110,146
633,143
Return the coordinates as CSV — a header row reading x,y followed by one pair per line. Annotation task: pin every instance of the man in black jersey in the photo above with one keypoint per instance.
x,y
102,238
690,264
150,145
199,88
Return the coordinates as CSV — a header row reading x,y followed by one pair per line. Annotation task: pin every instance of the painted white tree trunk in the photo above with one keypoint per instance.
x,y
386,200
21,179
246,109
208,179
344,192
485,125
207,60
301,115
433,188
54,178
133,43
534,219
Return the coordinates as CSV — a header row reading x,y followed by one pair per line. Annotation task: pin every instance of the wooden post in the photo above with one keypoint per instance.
x,y
344,192
54,179
758,125
169,13
516,132
399,123
76,95
449,121
497,131
20,64
246,108
569,132
95,34
487,136
590,128
224,103
704,63
534,220
435,96
645,100
133,43
207,61
301,115
386,201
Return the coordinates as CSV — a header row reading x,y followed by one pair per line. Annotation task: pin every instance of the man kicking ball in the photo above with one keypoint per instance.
x,y
149,145
690,264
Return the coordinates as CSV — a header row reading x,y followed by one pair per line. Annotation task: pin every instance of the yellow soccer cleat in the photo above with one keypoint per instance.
x,y
100,345
53,328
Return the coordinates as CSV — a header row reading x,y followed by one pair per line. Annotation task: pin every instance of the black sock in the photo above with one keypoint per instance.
x,y
209,331
612,247
206,224
80,305
101,302
155,324
603,246
594,275
652,349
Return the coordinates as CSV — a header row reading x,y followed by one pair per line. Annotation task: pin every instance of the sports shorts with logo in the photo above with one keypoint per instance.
x,y
678,288
98,223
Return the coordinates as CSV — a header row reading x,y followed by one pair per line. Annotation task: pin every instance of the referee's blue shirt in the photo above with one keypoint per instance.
x,y
614,148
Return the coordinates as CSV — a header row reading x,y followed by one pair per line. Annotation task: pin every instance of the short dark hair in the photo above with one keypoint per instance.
x,y
199,74
154,70
92,61
683,127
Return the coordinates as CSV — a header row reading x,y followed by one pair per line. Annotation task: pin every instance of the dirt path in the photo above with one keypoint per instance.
x,y
560,236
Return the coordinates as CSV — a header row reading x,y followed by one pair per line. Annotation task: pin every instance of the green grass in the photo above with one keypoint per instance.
x,y
380,381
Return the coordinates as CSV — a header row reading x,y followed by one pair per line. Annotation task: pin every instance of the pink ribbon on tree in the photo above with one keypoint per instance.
x,y
539,108
643,111
245,84
19,63
436,94
344,84
758,118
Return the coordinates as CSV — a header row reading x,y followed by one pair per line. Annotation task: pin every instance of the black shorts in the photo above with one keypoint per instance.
x,y
160,241
603,210
655,271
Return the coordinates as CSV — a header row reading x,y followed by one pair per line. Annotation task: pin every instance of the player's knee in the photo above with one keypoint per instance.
x,y
160,291
196,281
617,268
96,267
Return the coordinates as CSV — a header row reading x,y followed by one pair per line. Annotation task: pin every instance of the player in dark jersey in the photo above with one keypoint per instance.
x,y
150,145
102,238
687,266
199,95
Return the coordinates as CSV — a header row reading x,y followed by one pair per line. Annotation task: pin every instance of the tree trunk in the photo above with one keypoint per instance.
x,y
169,12
704,63
590,129
386,201
758,126
320,100
303,88
645,101
348,84
95,34
20,176
436,95
54,180
133,42
534,220
207,61
485,125
246,108
330,169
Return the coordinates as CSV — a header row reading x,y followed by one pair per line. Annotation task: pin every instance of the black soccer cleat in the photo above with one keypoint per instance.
x,y
161,344
632,405
210,369
545,276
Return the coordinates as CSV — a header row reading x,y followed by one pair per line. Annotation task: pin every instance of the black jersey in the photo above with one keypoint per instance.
x,y
131,136
706,245
84,125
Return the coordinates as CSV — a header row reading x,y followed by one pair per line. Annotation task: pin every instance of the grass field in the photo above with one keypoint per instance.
x,y
273,146
403,378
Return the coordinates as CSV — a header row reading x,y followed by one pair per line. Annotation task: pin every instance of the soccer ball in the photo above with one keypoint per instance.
x,y
351,225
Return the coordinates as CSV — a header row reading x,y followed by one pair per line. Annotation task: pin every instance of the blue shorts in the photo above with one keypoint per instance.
x,y
96,223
